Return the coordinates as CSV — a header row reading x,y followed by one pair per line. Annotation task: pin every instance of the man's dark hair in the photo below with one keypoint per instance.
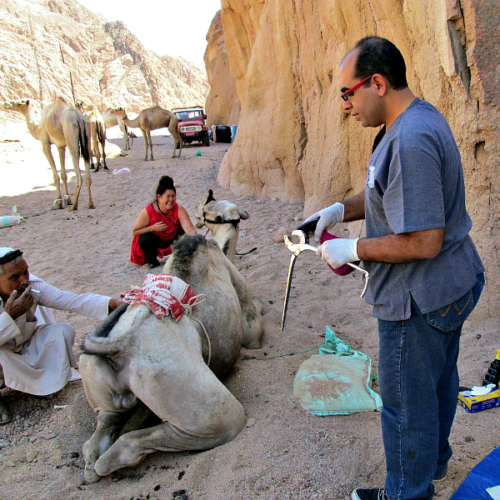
x,y
165,183
379,55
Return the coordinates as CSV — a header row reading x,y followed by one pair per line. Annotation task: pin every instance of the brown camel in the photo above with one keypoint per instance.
x,y
152,119
97,132
111,119
63,126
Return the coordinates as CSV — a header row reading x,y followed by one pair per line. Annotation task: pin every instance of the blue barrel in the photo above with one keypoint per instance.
x,y
233,131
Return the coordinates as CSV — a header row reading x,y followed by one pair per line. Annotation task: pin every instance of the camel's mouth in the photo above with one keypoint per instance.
x,y
207,218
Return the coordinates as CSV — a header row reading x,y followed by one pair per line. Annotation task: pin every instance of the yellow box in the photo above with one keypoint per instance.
x,y
474,404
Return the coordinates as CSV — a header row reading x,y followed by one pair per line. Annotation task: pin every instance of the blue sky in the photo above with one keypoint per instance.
x,y
167,27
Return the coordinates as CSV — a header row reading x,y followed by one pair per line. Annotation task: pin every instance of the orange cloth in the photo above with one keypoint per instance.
x,y
173,225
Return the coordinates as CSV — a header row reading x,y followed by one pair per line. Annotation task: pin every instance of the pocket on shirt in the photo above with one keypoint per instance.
x,y
449,318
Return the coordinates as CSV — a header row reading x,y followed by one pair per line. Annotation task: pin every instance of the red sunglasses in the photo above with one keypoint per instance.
x,y
345,95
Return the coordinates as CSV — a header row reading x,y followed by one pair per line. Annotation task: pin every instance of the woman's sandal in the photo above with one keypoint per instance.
x,y
5,416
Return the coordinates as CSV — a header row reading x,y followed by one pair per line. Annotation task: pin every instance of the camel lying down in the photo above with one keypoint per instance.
x,y
134,361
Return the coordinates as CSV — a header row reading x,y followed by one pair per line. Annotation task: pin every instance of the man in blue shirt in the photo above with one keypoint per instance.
x,y
426,273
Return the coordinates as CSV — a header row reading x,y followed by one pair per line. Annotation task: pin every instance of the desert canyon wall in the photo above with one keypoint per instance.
x,y
223,104
295,143
58,47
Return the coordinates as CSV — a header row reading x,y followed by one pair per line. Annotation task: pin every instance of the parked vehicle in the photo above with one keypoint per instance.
x,y
192,124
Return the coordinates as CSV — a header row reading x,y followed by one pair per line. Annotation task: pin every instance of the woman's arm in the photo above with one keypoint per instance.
x,y
142,226
186,223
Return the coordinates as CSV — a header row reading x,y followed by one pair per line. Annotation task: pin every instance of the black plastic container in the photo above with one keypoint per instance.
x,y
493,374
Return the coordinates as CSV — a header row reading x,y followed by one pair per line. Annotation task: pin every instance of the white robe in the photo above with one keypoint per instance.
x,y
36,353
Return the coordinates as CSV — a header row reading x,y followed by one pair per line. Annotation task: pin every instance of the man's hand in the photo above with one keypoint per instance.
x,y
113,304
329,216
339,251
16,307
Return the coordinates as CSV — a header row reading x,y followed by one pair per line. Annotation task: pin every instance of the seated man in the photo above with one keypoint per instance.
x,y
36,353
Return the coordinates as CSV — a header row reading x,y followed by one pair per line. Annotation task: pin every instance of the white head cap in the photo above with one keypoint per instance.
x,y
8,255
5,251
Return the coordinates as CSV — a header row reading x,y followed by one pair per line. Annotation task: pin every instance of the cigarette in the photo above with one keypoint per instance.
x,y
35,291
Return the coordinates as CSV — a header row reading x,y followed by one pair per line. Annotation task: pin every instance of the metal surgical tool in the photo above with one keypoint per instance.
x,y
297,249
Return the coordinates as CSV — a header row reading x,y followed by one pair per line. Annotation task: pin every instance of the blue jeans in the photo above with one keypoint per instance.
x,y
419,388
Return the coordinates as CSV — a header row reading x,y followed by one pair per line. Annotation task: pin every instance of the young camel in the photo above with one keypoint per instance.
x,y
222,219
97,131
111,119
152,119
63,126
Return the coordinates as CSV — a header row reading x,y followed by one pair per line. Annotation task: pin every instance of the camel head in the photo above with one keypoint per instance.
x,y
222,219
218,212
80,106
84,108
120,112
21,105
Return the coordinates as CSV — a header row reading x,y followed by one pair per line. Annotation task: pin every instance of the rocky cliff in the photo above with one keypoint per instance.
x,y
58,47
223,104
295,143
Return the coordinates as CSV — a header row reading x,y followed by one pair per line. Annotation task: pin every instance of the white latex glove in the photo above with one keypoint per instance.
x,y
339,251
329,216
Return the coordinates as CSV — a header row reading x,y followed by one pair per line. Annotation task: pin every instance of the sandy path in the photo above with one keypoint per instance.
x,y
284,452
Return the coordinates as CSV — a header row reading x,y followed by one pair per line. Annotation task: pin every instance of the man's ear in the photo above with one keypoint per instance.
x,y
380,84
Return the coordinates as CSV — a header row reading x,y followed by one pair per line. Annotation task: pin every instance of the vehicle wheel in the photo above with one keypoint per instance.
x,y
206,141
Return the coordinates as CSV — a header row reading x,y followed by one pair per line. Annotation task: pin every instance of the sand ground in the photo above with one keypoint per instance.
x,y
283,452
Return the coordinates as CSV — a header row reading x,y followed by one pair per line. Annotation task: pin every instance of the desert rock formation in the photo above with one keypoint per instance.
x,y
295,143
58,47
223,104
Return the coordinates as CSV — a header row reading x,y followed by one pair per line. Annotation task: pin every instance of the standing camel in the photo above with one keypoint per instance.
x,y
111,120
152,119
97,132
63,126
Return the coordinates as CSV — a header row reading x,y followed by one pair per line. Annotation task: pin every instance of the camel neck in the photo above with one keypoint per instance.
x,y
131,123
33,125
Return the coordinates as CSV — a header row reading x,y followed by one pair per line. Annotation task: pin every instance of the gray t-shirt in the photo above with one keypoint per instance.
x,y
414,183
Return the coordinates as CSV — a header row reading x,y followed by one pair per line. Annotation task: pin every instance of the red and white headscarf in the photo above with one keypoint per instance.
x,y
164,294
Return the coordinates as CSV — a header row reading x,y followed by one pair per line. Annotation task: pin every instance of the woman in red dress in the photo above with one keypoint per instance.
x,y
158,225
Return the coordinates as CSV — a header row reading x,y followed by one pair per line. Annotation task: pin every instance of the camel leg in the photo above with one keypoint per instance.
x,y
80,141
111,403
103,154
252,312
75,157
177,139
148,132
146,143
124,130
58,203
97,155
64,176
132,447
253,325
88,181
95,149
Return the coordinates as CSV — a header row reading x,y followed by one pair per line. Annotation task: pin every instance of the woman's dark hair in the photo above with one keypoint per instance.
x,y
165,183
379,55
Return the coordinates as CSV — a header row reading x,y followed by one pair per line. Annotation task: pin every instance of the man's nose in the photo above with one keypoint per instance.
x,y
346,105
24,280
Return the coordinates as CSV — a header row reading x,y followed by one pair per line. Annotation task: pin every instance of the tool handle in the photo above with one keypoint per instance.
x,y
309,226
